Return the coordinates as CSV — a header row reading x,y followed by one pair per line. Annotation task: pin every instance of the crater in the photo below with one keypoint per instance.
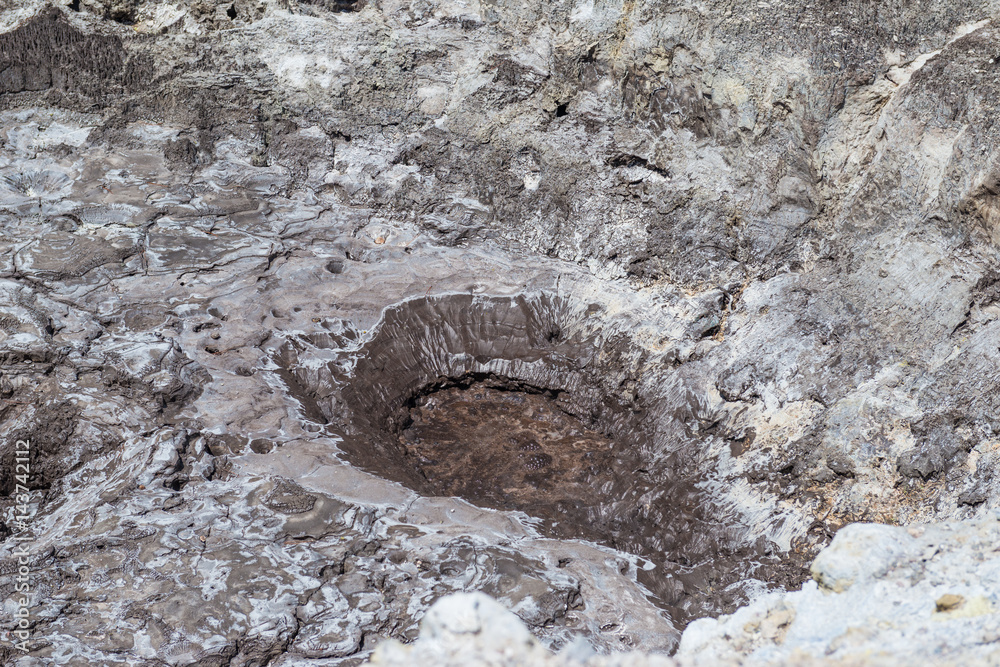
x,y
339,6
540,404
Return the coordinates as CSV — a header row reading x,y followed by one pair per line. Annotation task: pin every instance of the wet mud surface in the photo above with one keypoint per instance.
x,y
667,300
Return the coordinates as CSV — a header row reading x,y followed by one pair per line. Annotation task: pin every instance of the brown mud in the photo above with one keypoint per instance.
x,y
510,450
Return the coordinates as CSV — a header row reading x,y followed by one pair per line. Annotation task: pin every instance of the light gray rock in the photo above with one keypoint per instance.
x,y
473,629
882,595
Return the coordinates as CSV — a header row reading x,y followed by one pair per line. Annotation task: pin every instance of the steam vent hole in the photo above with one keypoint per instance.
x,y
518,404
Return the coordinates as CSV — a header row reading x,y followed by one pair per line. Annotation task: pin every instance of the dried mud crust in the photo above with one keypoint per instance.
x,y
54,447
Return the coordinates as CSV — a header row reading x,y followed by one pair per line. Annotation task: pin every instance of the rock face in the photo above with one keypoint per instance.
x,y
267,267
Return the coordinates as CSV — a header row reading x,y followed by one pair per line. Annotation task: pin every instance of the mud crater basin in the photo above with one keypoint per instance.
x,y
533,403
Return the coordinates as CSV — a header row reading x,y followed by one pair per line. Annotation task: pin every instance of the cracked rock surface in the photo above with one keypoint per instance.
x,y
248,251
